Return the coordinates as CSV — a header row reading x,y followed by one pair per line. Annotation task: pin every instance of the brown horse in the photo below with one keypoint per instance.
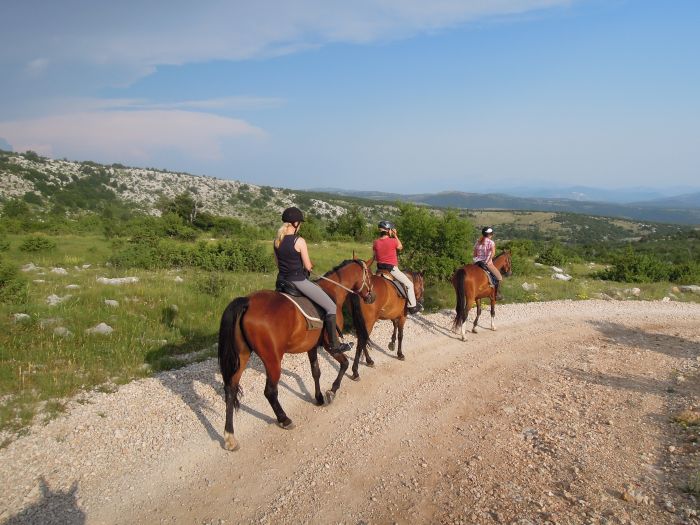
x,y
389,305
268,324
471,286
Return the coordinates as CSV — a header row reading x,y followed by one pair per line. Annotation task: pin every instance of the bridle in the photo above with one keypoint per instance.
x,y
366,282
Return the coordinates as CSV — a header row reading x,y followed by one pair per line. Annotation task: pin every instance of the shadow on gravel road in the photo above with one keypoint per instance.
x,y
183,383
670,345
53,507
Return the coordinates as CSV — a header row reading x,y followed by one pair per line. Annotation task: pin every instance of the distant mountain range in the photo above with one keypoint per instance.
x,y
680,209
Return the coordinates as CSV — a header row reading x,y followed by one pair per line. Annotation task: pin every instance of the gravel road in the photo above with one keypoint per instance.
x,y
563,415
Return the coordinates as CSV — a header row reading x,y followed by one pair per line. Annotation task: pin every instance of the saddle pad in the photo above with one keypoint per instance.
x,y
400,289
309,310
489,275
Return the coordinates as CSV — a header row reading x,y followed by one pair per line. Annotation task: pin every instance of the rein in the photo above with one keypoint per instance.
x,y
364,281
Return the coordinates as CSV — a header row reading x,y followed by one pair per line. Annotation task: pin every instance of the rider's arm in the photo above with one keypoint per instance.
x,y
399,245
303,250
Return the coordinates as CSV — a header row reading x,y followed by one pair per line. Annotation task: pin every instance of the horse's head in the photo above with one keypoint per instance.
x,y
505,266
418,285
355,274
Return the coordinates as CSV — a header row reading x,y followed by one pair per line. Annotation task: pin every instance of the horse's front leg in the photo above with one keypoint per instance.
x,y
392,344
356,362
493,311
344,363
399,324
316,373
478,313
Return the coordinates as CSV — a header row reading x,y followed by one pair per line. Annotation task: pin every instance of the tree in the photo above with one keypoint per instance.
x,y
352,223
15,209
183,205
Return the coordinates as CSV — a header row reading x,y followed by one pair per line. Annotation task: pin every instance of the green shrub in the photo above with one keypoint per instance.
x,y
212,283
13,288
4,244
241,255
352,224
552,255
632,267
37,243
434,244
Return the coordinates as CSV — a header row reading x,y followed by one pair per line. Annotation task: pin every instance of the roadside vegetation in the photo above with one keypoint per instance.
x,y
58,247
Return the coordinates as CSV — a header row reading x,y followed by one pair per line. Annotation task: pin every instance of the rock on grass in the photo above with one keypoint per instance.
x,y
100,329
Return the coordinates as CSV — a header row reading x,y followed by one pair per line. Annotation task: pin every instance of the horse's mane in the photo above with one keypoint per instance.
x,y
341,265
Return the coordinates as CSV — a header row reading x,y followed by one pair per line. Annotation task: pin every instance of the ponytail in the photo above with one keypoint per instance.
x,y
281,233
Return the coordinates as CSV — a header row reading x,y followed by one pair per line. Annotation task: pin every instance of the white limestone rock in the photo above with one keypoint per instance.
x,y
100,329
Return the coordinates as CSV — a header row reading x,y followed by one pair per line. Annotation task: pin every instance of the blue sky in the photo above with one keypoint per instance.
x,y
371,95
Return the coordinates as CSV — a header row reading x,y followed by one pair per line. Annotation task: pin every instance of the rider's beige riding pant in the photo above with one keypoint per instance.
x,y
401,277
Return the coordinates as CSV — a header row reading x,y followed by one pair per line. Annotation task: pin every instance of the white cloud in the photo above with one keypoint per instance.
x,y
37,66
127,136
143,35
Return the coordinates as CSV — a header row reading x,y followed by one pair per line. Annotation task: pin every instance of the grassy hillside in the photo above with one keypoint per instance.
x,y
194,243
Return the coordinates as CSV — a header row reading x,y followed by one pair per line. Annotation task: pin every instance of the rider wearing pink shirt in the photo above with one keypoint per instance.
x,y
485,251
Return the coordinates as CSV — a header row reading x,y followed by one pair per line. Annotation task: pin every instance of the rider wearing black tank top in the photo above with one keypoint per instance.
x,y
291,267
293,262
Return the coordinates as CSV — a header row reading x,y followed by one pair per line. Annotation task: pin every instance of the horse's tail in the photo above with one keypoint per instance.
x,y
461,307
358,319
231,341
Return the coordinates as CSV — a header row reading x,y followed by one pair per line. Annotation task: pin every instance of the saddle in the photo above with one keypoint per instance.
x,y
400,288
492,278
311,311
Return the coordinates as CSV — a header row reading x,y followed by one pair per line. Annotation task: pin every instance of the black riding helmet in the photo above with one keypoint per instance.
x,y
486,231
385,225
292,214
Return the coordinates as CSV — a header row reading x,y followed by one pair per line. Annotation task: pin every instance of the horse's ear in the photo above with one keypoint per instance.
x,y
354,257
369,262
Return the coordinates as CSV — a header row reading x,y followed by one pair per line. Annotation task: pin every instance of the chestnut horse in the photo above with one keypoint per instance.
x,y
389,305
471,286
267,323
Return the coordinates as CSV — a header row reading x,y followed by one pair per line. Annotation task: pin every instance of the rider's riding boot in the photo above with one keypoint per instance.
x,y
415,309
335,346
499,297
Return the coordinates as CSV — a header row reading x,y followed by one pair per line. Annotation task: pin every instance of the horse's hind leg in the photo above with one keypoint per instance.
x,y
316,373
399,324
392,344
344,363
273,377
478,313
232,393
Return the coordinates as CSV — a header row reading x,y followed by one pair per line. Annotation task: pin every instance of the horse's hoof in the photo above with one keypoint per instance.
x,y
287,424
474,331
230,442
330,396
401,357
355,376
370,364
391,346
493,328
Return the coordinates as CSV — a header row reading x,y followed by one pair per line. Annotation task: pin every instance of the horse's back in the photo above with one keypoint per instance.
x,y
277,322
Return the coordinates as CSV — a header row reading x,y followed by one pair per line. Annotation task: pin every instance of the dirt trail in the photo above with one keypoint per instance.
x,y
552,418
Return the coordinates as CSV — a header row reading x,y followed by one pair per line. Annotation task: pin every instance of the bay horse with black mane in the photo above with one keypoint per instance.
x,y
388,305
471,286
267,323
